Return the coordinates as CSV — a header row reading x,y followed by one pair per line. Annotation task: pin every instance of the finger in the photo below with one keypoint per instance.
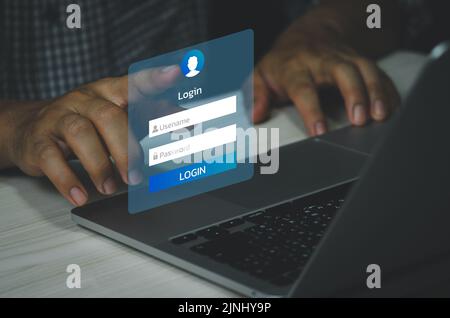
x,y
151,81
302,91
81,136
376,89
135,163
111,123
51,161
125,89
261,98
351,85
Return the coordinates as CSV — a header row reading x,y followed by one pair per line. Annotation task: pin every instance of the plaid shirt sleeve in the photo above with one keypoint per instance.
x,y
41,58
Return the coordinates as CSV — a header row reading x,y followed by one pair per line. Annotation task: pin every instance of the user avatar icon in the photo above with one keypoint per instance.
x,y
192,64
155,129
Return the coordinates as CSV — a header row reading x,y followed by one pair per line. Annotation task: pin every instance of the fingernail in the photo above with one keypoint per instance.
x,y
134,177
379,111
320,128
109,186
168,68
258,116
78,196
359,114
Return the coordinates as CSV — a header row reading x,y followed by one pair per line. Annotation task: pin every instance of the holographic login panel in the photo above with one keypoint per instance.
x,y
186,111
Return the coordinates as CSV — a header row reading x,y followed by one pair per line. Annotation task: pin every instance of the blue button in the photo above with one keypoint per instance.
x,y
187,174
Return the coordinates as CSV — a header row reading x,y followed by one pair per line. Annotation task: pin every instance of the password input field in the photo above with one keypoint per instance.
x,y
191,145
193,116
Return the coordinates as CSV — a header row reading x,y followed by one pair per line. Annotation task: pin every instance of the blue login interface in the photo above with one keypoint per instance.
x,y
186,112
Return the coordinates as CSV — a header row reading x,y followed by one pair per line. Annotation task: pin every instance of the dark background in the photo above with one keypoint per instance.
x,y
439,30
267,19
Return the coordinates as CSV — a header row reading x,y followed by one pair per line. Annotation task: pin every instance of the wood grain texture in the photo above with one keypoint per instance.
x,y
38,240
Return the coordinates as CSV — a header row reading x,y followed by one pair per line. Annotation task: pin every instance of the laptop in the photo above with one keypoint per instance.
x,y
337,204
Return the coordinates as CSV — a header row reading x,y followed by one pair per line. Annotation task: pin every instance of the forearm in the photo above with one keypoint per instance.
x,y
346,20
5,134
11,113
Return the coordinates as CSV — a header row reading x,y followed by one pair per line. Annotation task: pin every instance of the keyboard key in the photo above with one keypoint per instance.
x,y
272,269
254,216
201,249
212,232
282,225
231,247
184,239
232,223
257,230
267,272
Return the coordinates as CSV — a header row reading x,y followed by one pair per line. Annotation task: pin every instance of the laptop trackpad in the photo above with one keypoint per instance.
x,y
304,167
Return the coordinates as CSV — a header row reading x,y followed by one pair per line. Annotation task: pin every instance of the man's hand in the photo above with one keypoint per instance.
x,y
89,123
313,53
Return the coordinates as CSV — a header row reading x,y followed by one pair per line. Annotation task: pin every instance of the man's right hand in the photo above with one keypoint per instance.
x,y
89,123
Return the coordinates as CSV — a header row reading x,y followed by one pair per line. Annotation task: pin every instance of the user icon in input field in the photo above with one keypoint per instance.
x,y
192,63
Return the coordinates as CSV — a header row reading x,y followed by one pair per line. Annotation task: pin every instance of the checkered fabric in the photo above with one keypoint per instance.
x,y
41,58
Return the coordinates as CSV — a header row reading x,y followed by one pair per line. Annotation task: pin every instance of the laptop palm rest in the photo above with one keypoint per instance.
x,y
304,168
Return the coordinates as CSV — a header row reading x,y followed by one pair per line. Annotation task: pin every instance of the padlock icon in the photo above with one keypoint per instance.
x,y
155,156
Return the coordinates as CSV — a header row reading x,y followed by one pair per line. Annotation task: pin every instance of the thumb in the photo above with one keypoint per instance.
x,y
133,87
148,82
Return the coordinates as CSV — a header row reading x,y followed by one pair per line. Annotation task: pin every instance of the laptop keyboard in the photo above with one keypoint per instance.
x,y
273,244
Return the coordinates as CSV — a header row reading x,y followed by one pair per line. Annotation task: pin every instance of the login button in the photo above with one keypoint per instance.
x,y
187,174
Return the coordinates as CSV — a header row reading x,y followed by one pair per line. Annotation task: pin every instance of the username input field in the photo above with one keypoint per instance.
x,y
191,145
193,116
